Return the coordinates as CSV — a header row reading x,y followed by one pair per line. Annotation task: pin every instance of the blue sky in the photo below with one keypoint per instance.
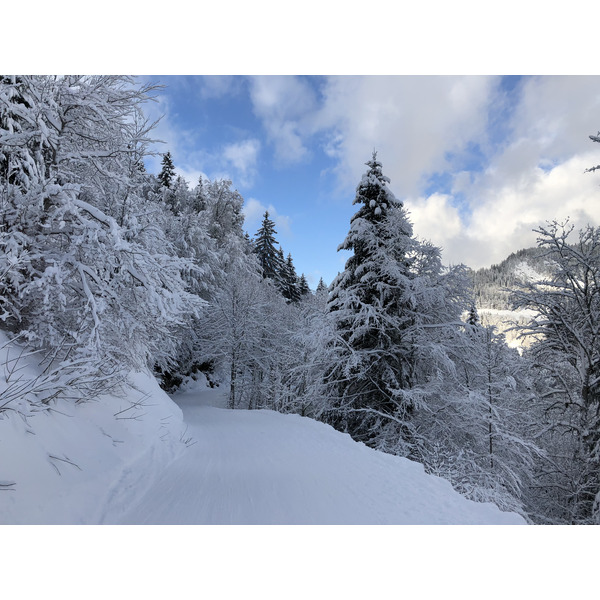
x,y
479,161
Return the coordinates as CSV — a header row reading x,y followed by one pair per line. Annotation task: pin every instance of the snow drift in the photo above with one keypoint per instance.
x,y
65,465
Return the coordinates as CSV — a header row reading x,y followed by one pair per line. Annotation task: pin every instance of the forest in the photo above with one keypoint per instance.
x,y
105,268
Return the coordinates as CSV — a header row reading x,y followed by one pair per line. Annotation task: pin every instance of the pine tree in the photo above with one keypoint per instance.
x,y
321,288
167,173
303,286
372,305
289,281
269,258
473,317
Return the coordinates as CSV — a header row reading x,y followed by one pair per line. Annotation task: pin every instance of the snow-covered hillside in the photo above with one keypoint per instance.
x,y
493,286
66,464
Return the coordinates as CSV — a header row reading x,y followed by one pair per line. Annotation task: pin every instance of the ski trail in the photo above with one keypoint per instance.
x,y
262,467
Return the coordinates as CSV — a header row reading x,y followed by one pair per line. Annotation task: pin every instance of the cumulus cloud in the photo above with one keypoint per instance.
x,y
254,211
243,156
415,123
503,217
435,218
285,106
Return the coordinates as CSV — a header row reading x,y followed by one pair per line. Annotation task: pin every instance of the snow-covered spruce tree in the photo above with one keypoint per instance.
x,y
303,288
473,317
167,173
269,258
92,284
199,199
566,353
321,290
290,289
374,305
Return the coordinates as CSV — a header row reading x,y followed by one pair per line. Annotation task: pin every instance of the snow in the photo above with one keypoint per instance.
x,y
524,313
144,459
67,464
263,467
527,273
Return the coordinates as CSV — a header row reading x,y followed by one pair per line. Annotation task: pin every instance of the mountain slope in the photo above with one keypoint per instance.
x,y
492,288
492,285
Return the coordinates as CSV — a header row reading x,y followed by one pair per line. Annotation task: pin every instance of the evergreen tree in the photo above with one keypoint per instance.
x,y
473,317
303,286
177,198
199,204
289,281
321,288
373,308
269,258
167,173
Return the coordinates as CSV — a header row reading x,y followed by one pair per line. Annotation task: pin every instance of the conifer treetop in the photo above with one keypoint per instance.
x,y
167,173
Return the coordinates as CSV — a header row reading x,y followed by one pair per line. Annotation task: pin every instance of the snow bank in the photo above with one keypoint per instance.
x,y
63,466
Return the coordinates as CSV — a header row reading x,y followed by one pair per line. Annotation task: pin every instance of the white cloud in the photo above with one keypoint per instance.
x,y
413,122
218,86
284,105
243,156
506,215
435,218
254,211
503,218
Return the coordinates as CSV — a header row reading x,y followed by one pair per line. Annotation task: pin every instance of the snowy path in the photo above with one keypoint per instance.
x,y
262,467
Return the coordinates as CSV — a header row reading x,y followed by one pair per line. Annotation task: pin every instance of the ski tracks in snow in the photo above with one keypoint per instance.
x,y
262,467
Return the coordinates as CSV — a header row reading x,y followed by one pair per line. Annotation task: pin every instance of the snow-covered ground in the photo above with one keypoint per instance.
x,y
263,467
146,459
67,464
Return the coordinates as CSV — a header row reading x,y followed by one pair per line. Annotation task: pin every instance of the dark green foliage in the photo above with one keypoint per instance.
x,y
373,315
303,286
167,174
289,281
269,257
473,317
